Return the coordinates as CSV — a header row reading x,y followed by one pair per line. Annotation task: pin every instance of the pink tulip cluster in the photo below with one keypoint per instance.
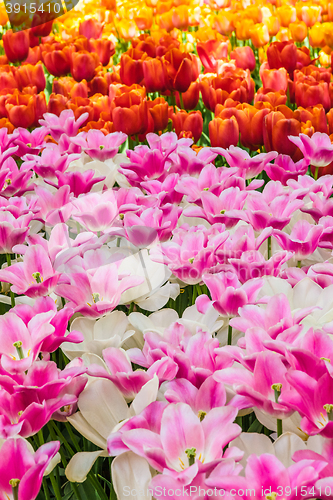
x,y
93,237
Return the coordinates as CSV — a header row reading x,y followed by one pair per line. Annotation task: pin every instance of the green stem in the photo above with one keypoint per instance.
x,y
316,173
299,263
181,100
173,100
55,486
131,308
269,247
12,296
229,334
279,426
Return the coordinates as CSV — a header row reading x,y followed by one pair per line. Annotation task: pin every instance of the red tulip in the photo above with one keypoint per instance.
x,y
83,65
16,45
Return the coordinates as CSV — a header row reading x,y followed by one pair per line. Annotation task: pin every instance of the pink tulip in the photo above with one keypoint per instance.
x,y
130,382
246,165
29,142
303,240
14,181
252,264
35,276
284,169
225,208
13,230
21,469
272,207
191,253
267,476
29,400
96,292
227,293
96,211
99,146
65,123
193,439
254,388
317,149
49,162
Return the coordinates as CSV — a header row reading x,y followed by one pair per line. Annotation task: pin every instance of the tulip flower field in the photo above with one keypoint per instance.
x,y
166,250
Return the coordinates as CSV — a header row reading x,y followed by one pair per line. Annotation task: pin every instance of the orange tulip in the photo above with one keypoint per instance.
x,y
57,104
29,75
315,114
310,92
223,132
25,110
276,130
57,62
274,79
83,65
158,112
316,36
243,29
299,31
282,55
132,120
223,23
190,123
274,98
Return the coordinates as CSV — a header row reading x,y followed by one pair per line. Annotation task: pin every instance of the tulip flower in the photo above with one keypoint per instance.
x,y
83,65
96,211
244,57
91,28
277,130
22,469
96,292
29,400
188,123
284,169
194,441
223,133
64,124
57,62
266,475
318,149
225,208
236,157
303,239
35,277
16,45
228,295
29,75
191,252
